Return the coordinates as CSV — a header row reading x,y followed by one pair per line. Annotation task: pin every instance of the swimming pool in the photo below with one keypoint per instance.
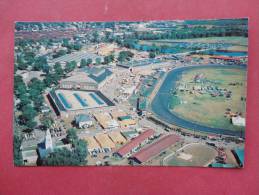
x,y
81,101
64,101
96,98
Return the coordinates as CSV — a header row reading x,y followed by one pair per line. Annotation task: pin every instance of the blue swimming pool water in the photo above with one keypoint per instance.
x,y
226,53
160,105
64,101
81,101
96,98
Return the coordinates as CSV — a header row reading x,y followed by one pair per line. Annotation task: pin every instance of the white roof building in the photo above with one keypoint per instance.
x,y
239,121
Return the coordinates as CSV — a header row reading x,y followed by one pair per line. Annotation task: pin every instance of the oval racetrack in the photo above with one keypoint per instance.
x,y
160,105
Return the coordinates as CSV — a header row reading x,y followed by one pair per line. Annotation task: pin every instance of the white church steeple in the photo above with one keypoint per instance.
x,y
48,141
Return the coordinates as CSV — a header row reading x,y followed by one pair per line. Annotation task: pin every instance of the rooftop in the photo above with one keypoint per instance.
x,y
104,141
100,76
117,137
238,121
130,134
135,142
93,74
91,143
78,100
82,118
105,120
76,56
29,153
155,148
117,113
79,77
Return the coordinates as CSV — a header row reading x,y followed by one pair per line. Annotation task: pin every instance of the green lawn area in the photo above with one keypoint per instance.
x,y
232,40
205,109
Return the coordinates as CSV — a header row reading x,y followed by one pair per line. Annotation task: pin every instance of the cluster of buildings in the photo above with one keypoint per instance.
x,y
138,148
103,142
31,155
116,118
80,92
146,146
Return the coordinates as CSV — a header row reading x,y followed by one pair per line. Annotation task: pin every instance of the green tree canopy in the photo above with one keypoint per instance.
x,y
152,54
125,55
98,60
71,135
89,61
108,59
58,68
83,63
70,66
17,150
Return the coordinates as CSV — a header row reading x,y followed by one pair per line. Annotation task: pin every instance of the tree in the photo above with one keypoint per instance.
x,y
108,59
76,156
38,102
29,57
24,100
107,36
21,64
46,68
31,124
81,150
47,122
83,63
125,55
17,150
36,84
19,86
77,46
39,63
71,135
59,53
95,37
98,61
62,157
152,55
48,80
28,112
70,66
65,43
89,61
58,69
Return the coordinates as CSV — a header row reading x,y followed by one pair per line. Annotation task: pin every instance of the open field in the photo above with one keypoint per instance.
x,y
208,110
193,155
231,40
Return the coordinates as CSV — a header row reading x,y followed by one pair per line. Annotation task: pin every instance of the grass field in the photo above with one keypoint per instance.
x,y
239,43
208,110
193,155
232,40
